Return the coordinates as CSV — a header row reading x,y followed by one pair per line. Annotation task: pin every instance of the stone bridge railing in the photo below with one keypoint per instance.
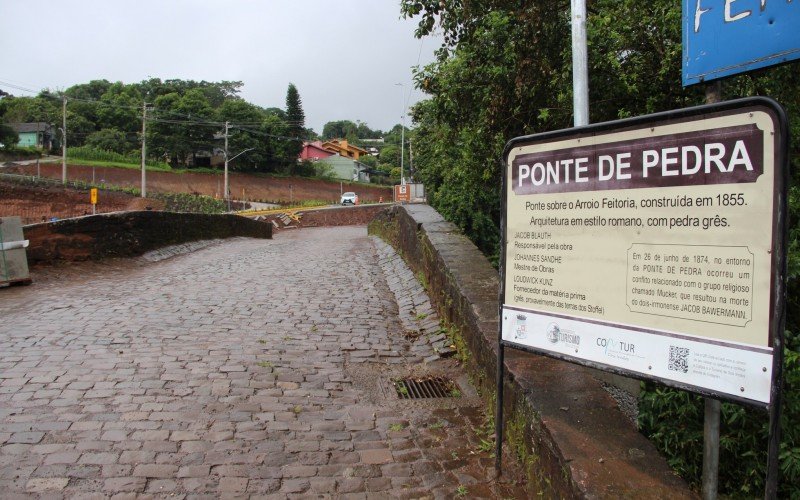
x,y
127,234
560,422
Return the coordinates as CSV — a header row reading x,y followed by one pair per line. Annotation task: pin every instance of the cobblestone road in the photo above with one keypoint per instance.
x,y
247,368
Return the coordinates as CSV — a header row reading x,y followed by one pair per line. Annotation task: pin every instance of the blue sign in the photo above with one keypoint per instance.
x,y
726,37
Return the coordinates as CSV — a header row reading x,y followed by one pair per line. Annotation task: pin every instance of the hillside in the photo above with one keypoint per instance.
x,y
249,187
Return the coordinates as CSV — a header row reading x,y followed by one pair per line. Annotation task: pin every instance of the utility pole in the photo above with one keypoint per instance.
x,y
64,140
580,64
410,161
225,187
144,150
403,129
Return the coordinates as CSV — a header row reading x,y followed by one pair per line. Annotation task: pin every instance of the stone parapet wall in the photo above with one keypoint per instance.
x,y
127,234
565,428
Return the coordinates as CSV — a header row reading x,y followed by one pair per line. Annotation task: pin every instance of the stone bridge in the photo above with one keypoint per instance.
x,y
281,368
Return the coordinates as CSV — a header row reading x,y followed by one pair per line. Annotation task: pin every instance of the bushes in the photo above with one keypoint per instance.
x,y
183,202
90,153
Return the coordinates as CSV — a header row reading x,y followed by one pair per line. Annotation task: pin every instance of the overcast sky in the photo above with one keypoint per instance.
x,y
344,57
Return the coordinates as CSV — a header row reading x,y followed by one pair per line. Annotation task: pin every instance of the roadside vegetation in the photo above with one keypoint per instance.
x,y
186,123
504,72
89,155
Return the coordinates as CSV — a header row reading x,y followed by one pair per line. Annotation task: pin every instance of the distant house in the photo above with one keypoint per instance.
x,y
347,168
342,148
36,134
313,151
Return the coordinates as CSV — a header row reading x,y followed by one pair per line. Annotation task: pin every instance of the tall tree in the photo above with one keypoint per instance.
x,y
296,125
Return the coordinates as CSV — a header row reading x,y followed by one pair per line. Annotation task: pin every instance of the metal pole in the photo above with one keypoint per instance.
x,y
402,130
775,404
144,150
38,172
711,449
225,187
580,63
64,141
712,406
410,162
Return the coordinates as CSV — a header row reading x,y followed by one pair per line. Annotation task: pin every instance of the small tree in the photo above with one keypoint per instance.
x,y
110,139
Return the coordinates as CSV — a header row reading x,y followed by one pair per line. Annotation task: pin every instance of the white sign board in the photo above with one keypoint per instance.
x,y
652,247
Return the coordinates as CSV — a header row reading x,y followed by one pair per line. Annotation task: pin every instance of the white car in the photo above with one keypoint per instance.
x,y
349,198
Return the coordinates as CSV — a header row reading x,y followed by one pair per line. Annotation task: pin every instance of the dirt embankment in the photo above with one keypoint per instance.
x,y
37,202
243,186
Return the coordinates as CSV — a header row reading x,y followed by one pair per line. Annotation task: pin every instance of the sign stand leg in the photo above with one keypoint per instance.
x,y
774,446
711,448
498,419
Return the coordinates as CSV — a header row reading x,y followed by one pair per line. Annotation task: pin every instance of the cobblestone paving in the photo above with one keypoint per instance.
x,y
418,317
247,368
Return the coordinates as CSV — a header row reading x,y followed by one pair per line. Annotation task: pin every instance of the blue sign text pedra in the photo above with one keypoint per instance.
x,y
726,37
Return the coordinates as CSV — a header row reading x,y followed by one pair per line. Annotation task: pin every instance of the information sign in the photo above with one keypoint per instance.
x,y
402,193
652,247
93,196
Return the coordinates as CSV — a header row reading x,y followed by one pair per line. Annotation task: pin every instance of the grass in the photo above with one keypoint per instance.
x,y
396,427
401,388
437,425
117,164
265,364
461,491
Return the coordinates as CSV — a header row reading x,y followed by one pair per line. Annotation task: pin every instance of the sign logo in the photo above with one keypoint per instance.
x,y
555,335
618,349
520,327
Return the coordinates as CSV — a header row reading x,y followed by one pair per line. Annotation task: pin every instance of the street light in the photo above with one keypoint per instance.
x,y
403,129
227,197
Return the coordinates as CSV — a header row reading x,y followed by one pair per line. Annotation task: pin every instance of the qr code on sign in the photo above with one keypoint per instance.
x,y
678,359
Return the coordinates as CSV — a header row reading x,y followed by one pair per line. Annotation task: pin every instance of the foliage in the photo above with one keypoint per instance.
x,y
109,139
184,202
352,131
90,153
296,123
8,137
184,117
369,160
505,71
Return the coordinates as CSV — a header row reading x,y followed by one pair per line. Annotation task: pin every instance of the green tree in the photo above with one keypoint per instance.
x,y
42,108
110,139
390,154
8,137
296,123
340,129
369,160
120,107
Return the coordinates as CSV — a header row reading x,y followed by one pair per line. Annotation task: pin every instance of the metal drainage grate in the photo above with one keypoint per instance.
x,y
429,387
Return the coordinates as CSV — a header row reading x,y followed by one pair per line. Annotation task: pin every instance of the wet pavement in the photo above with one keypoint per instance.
x,y
246,368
